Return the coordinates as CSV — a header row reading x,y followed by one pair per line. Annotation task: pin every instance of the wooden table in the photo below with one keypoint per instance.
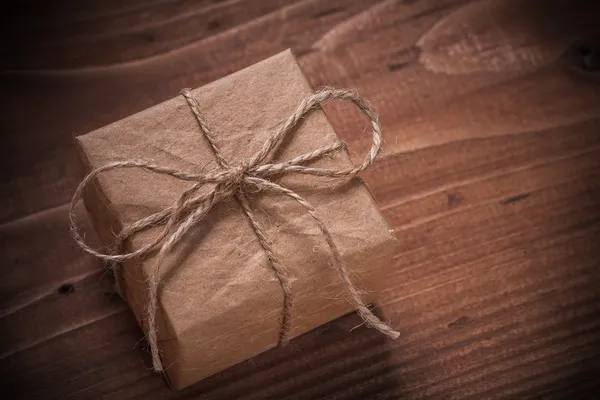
x,y
490,179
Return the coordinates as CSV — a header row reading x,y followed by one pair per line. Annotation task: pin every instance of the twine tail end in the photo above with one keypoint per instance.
x,y
156,361
394,335
157,366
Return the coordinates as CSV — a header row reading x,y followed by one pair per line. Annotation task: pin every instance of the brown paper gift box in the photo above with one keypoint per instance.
x,y
219,301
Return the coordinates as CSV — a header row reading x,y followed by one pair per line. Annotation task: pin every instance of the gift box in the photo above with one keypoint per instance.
x,y
219,299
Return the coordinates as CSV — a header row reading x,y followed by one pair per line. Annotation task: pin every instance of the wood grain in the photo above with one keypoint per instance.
x,y
490,179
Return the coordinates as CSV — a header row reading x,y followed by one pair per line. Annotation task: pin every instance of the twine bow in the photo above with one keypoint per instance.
x,y
233,181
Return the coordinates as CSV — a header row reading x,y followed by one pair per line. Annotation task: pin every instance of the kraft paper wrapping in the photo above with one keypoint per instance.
x,y
219,301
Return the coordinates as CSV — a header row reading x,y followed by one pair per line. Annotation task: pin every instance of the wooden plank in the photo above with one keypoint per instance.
x,y
490,179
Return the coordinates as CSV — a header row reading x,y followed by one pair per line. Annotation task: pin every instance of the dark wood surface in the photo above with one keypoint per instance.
x,y
490,179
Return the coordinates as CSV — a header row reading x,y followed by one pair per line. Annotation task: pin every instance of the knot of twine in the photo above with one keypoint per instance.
x,y
234,181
